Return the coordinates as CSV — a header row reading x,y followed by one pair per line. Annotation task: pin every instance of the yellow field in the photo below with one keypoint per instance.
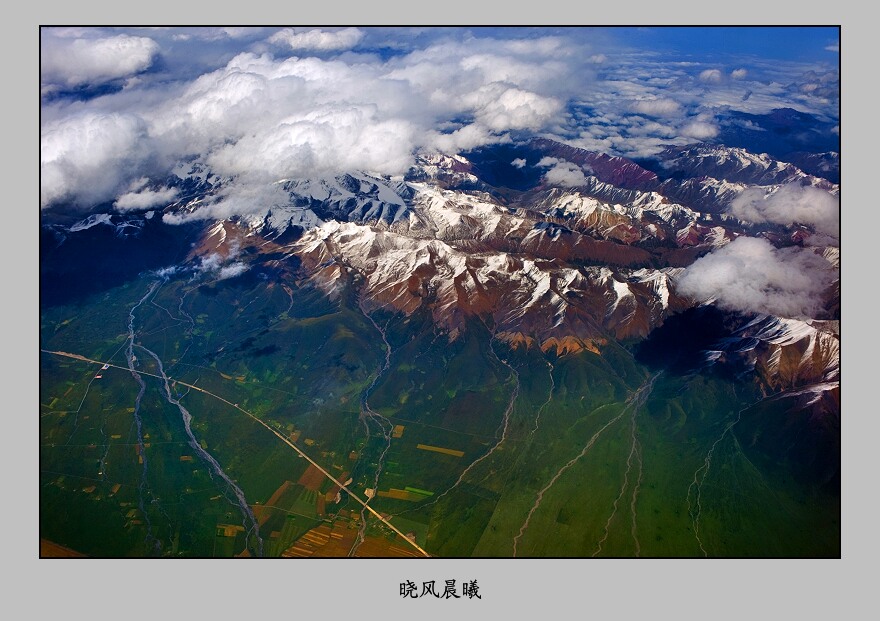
x,y
401,494
438,449
54,550
398,431
228,530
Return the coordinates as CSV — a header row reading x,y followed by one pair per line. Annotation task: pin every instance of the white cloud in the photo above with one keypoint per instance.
x,y
144,199
258,118
94,61
500,108
462,139
85,159
518,162
833,48
699,130
318,40
750,275
711,76
320,142
739,74
567,176
789,204
230,271
232,200
221,267
662,106
563,173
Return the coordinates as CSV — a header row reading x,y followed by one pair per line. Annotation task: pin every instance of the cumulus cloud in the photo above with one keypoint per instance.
x,y
661,106
318,40
789,204
568,176
141,199
260,118
462,139
223,99
711,76
700,130
518,163
750,275
500,108
563,173
75,62
84,158
319,142
739,74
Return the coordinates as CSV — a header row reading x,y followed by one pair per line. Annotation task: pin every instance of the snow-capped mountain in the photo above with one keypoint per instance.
x,y
563,268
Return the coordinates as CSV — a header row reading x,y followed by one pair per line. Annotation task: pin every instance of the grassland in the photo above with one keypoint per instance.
x,y
568,479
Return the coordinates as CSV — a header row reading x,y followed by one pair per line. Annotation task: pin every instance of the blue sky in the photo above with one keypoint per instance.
x,y
790,43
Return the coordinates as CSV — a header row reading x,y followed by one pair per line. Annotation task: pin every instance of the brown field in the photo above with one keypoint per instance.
x,y
398,431
438,449
309,543
312,478
379,547
273,500
261,511
324,541
49,549
186,458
